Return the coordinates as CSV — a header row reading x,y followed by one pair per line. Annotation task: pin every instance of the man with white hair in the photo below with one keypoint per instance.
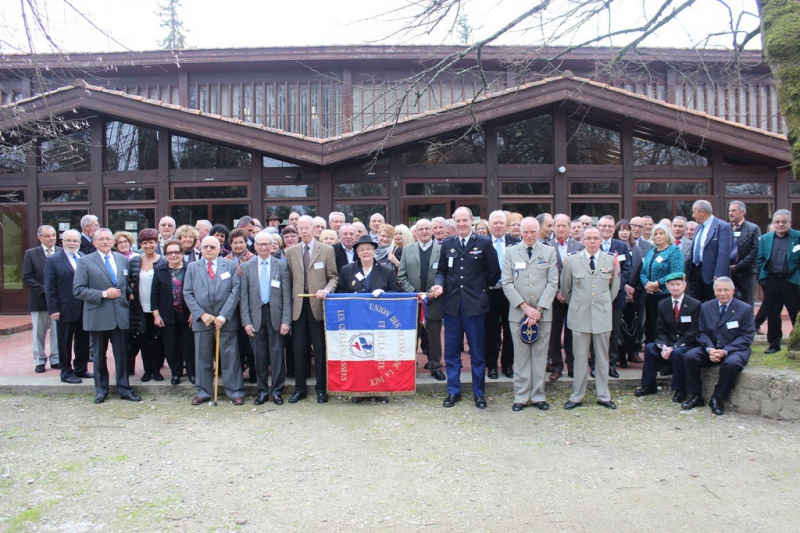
x,y
375,223
439,230
743,251
319,226
449,227
203,228
335,220
166,232
711,252
345,253
89,225
691,227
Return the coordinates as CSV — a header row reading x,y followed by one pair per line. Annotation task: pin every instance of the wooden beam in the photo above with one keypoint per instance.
x,y
96,194
561,192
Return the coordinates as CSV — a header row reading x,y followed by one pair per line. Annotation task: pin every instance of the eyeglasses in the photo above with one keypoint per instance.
x,y
173,253
636,226
263,244
780,221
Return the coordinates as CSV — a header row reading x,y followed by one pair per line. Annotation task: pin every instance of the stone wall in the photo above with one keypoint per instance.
x,y
761,391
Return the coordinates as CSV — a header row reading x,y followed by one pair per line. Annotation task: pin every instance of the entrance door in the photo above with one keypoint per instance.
x,y
424,199
13,239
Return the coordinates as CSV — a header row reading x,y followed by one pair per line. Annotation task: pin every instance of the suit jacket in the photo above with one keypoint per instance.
x,y
58,279
765,254
533,280
161,298
382,277
280,298
322,274
573,246
747,248
645,246
91,279
590,296
219,296
682,332
623,254
341,256
734,332
508,240
716,252
408,276
87,246
33,277
474,270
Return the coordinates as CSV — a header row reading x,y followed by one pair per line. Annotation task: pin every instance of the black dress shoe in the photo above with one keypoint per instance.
x,y
427,366
555,375
297,396
571,374
542,406
252,378
493,374
100,398
622,364
322,397
39,369
592,373
356,399
86,375
608,404
71,380
132,397
572,405
679,396
261,400
290,375
175,380
716,406
612,372
509,373
517,407
146,377
438,375
382,399
277,399
191,379
772,350
694,401
158,377
644,391
480,402
55,366
451,400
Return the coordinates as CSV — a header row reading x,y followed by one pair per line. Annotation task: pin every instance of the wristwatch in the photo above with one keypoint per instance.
x,y
105,294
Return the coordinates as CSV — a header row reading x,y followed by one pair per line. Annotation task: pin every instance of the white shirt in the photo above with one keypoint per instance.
x,y
349,253
425,246
52,250
145,288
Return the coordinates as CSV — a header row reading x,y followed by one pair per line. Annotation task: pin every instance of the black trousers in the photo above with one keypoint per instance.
x,y
151,346
179,346
67,333
118,340
559,326
779,292
308,332
746,285
268,354
651,302
613,339
497,321
698,289
729,369
653,361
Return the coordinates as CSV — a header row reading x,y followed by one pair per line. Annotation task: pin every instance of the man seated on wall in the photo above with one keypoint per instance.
x,y
726,332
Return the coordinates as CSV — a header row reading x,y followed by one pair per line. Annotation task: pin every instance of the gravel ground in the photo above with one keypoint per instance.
x,y
163,465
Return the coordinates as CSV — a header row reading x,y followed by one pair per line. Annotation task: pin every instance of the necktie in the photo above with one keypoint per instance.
x,y
677,242
463,243
698,248
735,246
499,246
264,282
74,261
676,310
606,245
722,309
111,271
210,269
306,261
48,252
591,264
530,252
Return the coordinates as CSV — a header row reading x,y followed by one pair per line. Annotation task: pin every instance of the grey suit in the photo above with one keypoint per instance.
x,y
267,320
590,296
409,280
533,281
105,318
217,297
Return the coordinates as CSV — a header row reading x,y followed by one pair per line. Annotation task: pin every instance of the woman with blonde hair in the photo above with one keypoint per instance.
x,y
329,237
402,235
123,244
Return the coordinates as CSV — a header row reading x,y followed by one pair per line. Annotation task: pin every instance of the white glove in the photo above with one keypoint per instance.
x,y
377,292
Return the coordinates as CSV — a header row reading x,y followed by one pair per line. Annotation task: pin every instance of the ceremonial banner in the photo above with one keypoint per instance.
x,y
371,344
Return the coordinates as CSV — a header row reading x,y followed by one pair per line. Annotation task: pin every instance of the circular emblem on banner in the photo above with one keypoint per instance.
x,y
527,333
361,345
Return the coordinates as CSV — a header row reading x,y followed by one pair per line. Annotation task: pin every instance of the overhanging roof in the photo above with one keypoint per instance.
x,y
592,97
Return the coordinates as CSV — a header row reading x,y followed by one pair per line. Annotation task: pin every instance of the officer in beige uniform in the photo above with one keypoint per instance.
x,y
589,284
530,282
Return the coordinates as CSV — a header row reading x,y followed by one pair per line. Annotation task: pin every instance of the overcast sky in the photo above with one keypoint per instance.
x,y
255,23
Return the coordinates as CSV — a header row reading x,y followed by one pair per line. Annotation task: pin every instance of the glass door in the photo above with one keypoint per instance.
x,y
13,239
423,198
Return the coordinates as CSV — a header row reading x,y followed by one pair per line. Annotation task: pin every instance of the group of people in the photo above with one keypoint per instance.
x,y
531,295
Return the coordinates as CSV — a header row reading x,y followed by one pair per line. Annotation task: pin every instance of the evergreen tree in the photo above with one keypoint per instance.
x,y
176,38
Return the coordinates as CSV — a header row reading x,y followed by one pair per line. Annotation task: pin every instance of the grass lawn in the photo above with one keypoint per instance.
x,y
777,361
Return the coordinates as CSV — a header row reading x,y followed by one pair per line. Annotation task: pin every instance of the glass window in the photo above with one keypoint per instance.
x,y
131,219
284,210
268,162
748,189
12,232
526,142
694,188
134,194
227,213
467,149
361,190
527,209
525,189
213,192
12,197
795,216
594,188
130,147
189,214
12,157
794,189
68,153
63,196
360,212
657,209
760,214
444,189
654,153
291,191
63,219
594,209
592,145
190,153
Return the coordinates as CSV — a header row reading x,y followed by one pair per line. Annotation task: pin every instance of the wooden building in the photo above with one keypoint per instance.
x,y
218,134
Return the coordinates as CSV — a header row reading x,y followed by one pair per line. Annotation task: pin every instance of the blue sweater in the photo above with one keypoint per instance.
x,y
653,270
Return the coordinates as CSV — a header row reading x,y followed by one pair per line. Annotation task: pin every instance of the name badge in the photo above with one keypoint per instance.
x,y
450,262
796,248
621,258
737,234
225,275
659,259
318,265
125,272
519,265
275,283
685,319
359,276
733,324
435,266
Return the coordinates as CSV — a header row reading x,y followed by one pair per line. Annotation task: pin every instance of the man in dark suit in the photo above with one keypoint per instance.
x,y
744,249
101,282
345,253
726,332
89,225
211,291
711,252
66,310
681,240
33,278
620,251
676,334
497,317
778,263
266,311
417,273
564,246
468,267
637,230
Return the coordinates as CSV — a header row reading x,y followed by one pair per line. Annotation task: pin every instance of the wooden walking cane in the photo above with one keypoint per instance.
x,y
216,368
